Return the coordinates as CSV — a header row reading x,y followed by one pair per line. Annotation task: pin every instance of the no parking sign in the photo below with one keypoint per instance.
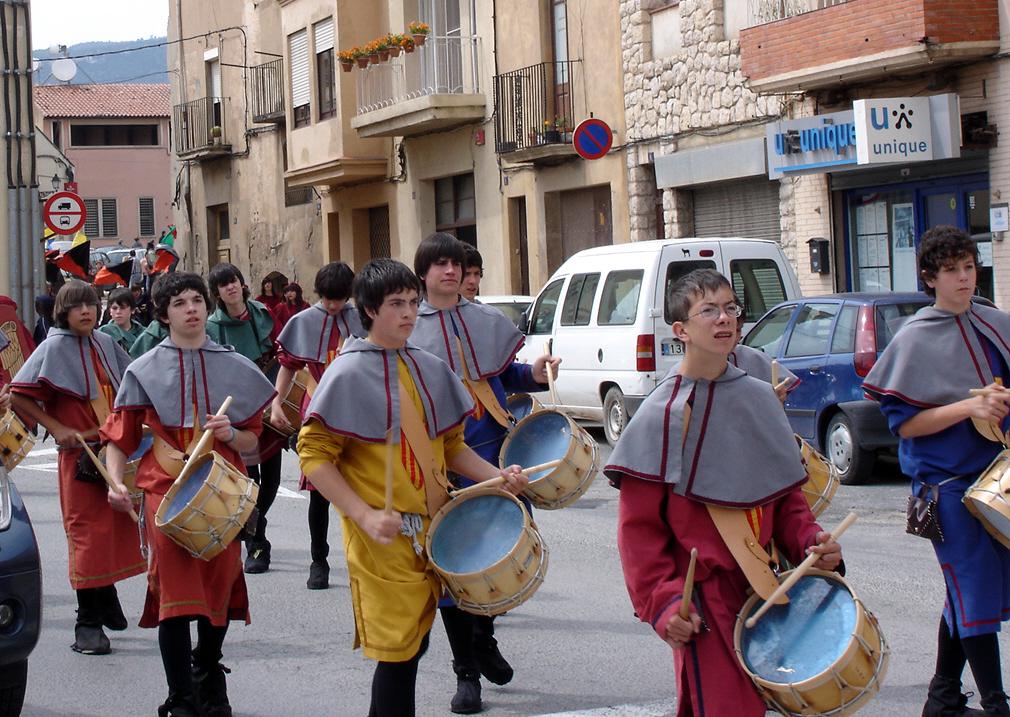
x,y
593,138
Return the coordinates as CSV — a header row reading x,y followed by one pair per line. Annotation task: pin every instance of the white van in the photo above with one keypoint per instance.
x,y
613,331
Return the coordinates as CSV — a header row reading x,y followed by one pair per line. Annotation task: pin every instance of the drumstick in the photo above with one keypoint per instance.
x,y
389,472
499,480
799,572
550,376
775,373
205,439
105,474
685,603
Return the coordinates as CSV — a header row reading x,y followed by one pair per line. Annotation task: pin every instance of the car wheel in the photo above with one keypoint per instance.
x,y
615,414
13,697
841,443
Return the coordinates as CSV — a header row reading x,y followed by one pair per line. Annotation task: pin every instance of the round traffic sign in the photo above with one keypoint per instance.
x,y
593,138
65,213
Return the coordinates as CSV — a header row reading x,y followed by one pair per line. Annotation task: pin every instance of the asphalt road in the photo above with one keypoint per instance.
x,y
576,646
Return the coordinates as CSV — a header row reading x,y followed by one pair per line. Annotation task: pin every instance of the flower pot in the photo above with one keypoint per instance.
x,y
552,136
362,62
408,48
374,59
394,52
347,66
383,55
419,39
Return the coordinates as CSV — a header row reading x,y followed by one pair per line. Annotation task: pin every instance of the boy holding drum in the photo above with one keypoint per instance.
x,y
375,386
175,388
681,489
922,381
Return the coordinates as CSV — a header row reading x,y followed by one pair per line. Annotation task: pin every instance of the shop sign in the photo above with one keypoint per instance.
x,y
811,144
893,129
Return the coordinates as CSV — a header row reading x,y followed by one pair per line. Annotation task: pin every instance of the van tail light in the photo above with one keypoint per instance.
x,y
645,352
866,342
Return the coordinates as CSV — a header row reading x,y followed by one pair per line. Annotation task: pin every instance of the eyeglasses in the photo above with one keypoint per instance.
x,y
712,313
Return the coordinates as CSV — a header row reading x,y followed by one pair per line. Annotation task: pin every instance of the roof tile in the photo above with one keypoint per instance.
x,y
103,100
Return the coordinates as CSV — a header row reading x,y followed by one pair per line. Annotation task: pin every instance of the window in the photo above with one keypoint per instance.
x,y
102,220
666,37
759,285
456,207
542,318
326,80
378,232
298,47
578,308
111,135
812,330
890,318
57,134
146,205
674,272
110,219
619,301
768,333
91,221
844,340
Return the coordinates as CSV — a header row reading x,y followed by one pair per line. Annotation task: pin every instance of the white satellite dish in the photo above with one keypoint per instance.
x,y
36,64
54,49
64,69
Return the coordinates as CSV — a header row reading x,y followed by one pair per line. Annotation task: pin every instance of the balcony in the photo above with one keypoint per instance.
x,y
267,83
535,112
434,88
199,129
796,45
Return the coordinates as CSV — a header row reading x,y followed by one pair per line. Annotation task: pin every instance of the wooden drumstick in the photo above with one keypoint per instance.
x,y
550,376
775,373
389,472
799,572
205,439
499,480
105,474
685,603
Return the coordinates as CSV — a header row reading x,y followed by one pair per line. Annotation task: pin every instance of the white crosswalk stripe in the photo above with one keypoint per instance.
x,y
653,709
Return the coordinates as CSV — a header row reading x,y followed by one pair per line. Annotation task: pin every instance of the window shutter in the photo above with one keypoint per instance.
x,y
91,222
146,216
299,48
323,35
110,221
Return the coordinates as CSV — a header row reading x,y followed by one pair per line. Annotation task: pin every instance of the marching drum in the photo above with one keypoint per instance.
x,y
546,436
206,511
291,405
822,478
16,441
486,550
132,463
822,653
521,405
988,499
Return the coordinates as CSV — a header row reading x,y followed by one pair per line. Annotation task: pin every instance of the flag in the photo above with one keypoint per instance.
x,y
116,274
79,239
169,238
166,258
77,259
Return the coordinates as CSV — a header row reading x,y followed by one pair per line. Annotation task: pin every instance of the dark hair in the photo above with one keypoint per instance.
x,y
691,287
333,281
434,247
225,273
942,246
297,288
473,259
123,297
168,286
74,293
378,279
265,283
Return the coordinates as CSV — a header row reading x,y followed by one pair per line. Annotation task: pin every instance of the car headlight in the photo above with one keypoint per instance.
x,y
5,499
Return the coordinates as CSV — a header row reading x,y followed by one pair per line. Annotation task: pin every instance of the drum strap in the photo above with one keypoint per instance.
x,y
310,383
436,484
754,562
483,392
171,459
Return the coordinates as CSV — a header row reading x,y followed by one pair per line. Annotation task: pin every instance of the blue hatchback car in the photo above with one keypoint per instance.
x,y
831,342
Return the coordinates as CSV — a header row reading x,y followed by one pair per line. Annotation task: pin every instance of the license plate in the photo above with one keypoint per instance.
x,y
671,347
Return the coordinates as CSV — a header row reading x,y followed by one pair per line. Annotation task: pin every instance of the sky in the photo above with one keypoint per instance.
x,y
68,22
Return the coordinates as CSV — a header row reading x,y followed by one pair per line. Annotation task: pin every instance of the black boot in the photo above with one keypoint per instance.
x,y
258,559
995,705
89,638
178,705
112,613
485,650
945,699
212,690
466,701
319,575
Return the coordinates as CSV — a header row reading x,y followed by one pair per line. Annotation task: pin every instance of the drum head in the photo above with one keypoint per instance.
x,y
477,533
194,482
145,445
520,405
543,437
803,638
998,520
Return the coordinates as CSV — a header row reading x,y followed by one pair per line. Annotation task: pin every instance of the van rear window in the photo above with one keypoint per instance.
x,y
759,285
619,303
578,307
676,270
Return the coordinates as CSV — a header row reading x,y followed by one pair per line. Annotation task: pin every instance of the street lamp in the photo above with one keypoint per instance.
x,y
56,182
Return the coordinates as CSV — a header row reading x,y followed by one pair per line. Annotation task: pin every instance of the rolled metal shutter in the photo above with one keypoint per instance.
x,y
299,50
747,208
323,35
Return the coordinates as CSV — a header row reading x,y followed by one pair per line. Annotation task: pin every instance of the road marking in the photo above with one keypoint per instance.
x,y
46,467
288,493
44,452
653,709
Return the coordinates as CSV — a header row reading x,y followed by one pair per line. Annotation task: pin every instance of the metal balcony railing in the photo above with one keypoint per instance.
x,y
760,12
534,106
443,65
267,81
199,125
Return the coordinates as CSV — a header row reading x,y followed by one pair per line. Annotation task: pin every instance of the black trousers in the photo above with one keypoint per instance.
x,y
178,655
319,526
980,651
393,686
268,476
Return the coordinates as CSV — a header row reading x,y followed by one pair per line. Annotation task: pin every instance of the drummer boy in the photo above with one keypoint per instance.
x,y
376,387
681,489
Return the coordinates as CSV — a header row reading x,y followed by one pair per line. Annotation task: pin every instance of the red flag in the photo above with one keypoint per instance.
x,y
167,256
116,274
76,260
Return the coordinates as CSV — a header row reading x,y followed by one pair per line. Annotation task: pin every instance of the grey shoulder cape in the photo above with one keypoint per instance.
x,y
490,341
306,336
739,452
169,379
63,362
948,345
758,364
359,396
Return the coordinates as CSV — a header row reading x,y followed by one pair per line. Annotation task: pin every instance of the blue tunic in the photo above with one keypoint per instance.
x,y
976,568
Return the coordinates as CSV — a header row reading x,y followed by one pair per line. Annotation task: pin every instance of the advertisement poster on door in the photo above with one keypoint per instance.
x,y
903,247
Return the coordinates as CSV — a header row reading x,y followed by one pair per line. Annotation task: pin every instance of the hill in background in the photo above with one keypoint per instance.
x,y
148,65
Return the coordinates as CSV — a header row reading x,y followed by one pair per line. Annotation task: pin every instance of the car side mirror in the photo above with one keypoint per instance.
x,y
523,322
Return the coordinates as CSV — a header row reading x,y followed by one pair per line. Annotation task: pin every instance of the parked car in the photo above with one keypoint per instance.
x,y
513,306
831,342
20,596
613,331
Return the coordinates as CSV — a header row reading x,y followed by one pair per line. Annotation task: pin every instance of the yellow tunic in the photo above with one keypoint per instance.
x,y
394,591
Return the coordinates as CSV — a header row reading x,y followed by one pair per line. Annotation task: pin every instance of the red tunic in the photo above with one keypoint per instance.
x,y
656,531
283,311
103,544
179,585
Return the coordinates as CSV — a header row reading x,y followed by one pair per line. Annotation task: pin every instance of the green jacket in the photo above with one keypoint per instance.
x,y
123,338
153,335
251,338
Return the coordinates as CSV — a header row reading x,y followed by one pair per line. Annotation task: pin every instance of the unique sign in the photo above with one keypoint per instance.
x,y
893,129
593,138
811,144
64,213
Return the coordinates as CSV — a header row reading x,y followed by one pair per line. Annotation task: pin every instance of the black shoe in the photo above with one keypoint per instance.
x,y
319,576
466,701
258,559
945,699
490,661
90,640
212,690
113,616
995,705
178,706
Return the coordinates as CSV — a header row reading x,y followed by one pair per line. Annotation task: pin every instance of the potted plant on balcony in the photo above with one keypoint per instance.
x,y
395,44
346,59
551,134
419,31
407,43
360,56
383,49
215,135
372,49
